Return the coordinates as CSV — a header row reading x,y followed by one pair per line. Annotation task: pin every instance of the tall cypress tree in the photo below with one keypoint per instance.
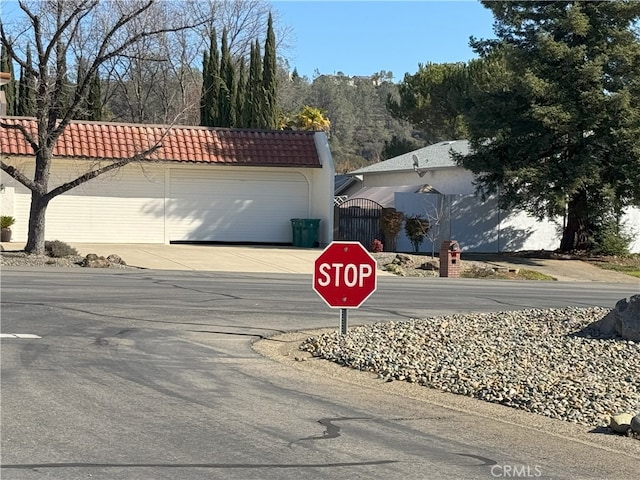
x,y
254,88
226,108
269,79
91,106
94,101
242,118
9,88
206,83
27,89
209,115
83,108
62,88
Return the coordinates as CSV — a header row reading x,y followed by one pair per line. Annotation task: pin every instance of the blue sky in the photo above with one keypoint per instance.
x,y
365,37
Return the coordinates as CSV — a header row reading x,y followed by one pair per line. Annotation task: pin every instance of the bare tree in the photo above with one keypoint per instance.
x,y
164,75
436,216
103,31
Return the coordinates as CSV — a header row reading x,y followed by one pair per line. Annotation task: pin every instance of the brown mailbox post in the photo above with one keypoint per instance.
x,y
450,259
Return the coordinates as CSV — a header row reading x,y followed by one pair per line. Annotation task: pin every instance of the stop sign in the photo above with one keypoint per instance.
x,y
344,275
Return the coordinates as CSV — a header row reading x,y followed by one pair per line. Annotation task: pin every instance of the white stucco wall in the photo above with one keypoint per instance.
x,y
478,226
7,195
631,221
322,181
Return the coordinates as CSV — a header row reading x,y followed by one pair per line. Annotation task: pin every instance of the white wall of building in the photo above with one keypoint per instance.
x,y
322,190
479,227
631,222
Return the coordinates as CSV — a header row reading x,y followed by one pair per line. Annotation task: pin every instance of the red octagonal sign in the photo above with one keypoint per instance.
x,y
344,275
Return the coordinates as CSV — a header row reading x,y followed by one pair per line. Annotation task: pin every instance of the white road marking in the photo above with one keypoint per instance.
x,y
18,335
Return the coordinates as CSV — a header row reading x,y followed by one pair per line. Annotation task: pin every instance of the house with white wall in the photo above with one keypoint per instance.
x,y
454,209
201,185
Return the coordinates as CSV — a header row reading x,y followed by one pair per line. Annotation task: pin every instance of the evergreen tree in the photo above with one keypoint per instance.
x,y
27,89
269,80
6,66
84,110
226,107
62,89
431,100
398,146
94,102
242,111
19,105
254,88
553,111
206,85
209,115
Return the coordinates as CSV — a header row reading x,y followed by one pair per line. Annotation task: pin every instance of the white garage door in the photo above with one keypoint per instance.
x,y
221,206
124,207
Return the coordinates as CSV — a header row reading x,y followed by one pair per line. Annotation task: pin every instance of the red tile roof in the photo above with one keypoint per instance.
x,y
181,144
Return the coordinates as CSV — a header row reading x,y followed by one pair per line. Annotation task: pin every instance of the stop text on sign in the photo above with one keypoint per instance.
x,y
344,275
339,274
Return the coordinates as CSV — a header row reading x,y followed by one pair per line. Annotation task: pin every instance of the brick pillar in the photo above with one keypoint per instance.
x,y
450,259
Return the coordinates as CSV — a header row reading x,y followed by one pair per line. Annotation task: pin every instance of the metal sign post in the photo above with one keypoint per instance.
x,y
343,321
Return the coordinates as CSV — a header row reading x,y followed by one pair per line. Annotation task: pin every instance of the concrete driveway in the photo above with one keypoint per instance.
x,y
221,258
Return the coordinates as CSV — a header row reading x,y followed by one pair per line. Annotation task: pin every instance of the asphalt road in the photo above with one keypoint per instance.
x,y
151,375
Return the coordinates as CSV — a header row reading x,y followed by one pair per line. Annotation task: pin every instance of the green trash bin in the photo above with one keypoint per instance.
x,y
296,227
305,232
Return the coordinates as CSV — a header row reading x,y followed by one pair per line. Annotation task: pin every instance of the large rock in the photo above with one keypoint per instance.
x,y
94,261
620,423
117,259
623,320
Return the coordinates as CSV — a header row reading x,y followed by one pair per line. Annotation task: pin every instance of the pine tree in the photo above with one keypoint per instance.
x,y
553,112
269,80
10,88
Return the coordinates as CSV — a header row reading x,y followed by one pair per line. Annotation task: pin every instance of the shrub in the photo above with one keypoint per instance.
x,y
6,221
416,229
376,246
391,224
58,249
612,240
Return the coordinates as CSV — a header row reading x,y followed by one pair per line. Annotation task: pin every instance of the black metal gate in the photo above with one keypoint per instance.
x,y
358,220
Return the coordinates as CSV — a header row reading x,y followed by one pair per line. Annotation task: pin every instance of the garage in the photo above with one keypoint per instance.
x,y
233,206
200,185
